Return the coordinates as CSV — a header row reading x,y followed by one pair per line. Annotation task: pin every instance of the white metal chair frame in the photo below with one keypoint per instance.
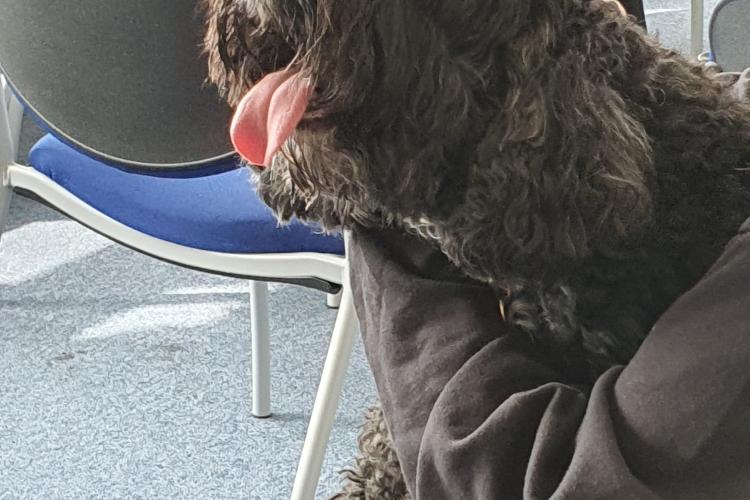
x,y
327,267
696,27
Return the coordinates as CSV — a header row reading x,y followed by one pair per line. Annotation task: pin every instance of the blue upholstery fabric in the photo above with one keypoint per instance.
x,y
211,209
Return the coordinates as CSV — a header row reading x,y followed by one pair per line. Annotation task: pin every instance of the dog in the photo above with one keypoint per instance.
x,y
550,148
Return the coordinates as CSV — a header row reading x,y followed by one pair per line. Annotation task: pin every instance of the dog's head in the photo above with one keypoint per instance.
x,y
501,119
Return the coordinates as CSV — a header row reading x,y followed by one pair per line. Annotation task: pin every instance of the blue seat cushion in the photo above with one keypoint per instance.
x,y
214,208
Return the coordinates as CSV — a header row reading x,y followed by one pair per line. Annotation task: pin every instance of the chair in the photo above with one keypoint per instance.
x,y
728,35
117,148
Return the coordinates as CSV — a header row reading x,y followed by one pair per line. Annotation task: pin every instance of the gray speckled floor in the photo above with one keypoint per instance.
x,y
124,377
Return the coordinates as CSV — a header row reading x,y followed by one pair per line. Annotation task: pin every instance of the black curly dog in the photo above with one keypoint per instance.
x,y
550,148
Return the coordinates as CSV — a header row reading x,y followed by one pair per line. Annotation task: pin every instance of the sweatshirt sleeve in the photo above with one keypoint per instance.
x,y
476,414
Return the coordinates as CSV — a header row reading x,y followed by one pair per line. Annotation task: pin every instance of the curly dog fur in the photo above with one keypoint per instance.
x,y
549,148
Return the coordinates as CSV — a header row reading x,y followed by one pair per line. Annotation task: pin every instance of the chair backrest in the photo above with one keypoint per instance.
x,y
729,32
122,80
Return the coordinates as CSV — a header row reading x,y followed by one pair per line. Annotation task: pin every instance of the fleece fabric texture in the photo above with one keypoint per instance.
x,y
477,415
215,208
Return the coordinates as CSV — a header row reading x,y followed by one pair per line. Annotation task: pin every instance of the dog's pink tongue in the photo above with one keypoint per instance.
x,y
267,116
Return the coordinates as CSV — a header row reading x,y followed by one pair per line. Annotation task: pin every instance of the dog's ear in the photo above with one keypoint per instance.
x,y
223,45
240,46
561,173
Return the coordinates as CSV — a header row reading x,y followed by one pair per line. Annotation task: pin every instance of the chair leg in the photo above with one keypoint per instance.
x,y
4,92
261,349
15,120
5,195
333,300
7,155
326,401
696,27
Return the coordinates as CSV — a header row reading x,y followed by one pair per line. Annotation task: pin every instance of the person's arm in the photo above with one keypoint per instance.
x,y
476,414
